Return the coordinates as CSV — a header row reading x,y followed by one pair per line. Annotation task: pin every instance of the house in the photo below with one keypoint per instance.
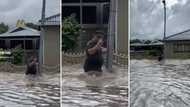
x,y
177,45
142,50
51,40
23,36
93,15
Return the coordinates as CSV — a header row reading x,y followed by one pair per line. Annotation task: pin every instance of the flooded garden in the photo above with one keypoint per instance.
x,y
160,84
80,90
17,91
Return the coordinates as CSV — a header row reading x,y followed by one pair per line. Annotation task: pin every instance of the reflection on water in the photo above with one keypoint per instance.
x,y
80,90
160,84
16,91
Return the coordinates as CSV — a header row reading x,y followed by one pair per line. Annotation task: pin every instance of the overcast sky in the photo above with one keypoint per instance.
x,y
29,10
147,18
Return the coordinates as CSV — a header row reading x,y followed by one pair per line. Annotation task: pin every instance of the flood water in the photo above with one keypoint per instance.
x,y
17,91
80,90
160,84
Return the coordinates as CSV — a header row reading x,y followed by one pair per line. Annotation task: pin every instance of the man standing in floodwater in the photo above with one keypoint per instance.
x,y
32,67
94,60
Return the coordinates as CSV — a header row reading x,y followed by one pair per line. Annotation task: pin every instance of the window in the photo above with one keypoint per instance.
x,y
2,44
94,1
68,10
106,10
70,1
93,11
38,44
181,47
89,15
84,1
15,43
28,44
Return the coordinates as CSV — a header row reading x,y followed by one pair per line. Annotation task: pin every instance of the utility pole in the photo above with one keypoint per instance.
x,y
164,3
111,34
42,35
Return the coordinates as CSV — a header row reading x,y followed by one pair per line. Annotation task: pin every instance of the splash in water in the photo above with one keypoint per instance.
x,y
81,90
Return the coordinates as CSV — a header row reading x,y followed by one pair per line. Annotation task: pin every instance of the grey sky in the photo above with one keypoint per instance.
x,y
147,18
29,10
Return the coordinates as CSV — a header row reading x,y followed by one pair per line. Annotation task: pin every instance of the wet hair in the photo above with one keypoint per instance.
x,y
98,34
32,59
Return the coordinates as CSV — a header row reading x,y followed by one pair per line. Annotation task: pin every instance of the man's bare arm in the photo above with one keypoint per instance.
x,y
93,50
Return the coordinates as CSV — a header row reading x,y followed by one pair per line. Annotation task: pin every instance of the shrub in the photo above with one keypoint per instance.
x,y
17,54
71,29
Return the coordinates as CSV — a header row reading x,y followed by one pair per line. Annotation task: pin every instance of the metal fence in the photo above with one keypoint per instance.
x,y
69,58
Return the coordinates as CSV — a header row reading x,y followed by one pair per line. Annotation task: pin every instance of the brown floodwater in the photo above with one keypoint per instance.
x,y
160,84
80,90
17,91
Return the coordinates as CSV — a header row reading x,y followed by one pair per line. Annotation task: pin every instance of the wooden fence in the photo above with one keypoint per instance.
x,y
69,58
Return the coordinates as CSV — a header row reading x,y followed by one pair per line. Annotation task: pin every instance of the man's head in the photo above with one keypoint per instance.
x,y
97,36
33,59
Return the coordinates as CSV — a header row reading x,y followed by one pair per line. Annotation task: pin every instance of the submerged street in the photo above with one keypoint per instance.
x,y
16,91
160,84
80,90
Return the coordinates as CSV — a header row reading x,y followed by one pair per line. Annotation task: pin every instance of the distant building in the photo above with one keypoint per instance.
x,y
93,15
142,50
23,36
51,45
177,45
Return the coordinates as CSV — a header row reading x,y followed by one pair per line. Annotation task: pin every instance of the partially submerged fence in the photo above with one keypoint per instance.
x,y
120,59
79,57
8,67
73,57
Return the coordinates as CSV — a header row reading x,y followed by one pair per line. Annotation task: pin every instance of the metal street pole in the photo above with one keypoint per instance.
x,y
111,34
164,3
42,35
163,52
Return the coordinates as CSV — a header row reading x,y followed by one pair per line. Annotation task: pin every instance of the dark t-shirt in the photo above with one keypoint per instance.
x,y
94,61
31,69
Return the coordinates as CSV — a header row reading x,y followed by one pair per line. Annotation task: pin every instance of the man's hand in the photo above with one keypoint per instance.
x,y
104,49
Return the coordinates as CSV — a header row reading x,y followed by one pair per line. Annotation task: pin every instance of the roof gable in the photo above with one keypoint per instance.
x,y
16,30
21,31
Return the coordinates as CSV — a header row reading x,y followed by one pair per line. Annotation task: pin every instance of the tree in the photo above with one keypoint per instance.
x,y
135,41
71,29
147,41
17,54
3,28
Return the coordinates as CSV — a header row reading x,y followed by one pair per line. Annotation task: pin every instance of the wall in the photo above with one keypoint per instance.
x,y
171,54
122,26
52,45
